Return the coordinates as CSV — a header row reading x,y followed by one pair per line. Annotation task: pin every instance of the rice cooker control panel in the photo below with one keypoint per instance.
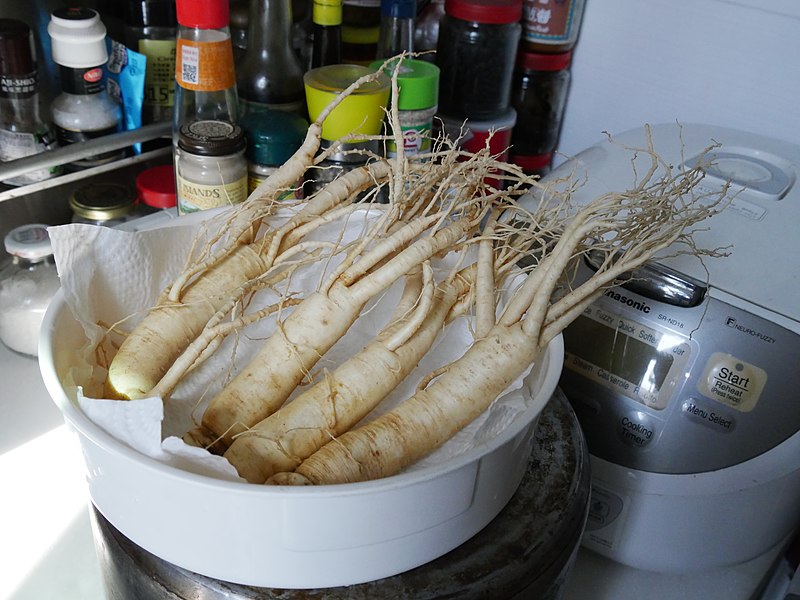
x,y
666,378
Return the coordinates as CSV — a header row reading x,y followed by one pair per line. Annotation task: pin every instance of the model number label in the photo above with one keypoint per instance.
x,y
671,321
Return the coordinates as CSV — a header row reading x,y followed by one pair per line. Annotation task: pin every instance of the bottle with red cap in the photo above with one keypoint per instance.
x,y
476,50
539,95
204,68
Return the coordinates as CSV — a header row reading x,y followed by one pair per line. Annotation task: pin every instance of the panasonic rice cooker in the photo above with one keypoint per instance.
x,y
685,379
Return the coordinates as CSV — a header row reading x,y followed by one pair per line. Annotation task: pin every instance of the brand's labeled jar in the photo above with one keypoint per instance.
x,y
210,166
475,52
102,203
27,285
417,101
539,95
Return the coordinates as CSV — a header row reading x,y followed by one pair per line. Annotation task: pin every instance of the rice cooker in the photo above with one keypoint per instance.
x,y
685,379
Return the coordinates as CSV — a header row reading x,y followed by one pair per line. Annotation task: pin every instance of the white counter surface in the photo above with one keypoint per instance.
x,y
48,552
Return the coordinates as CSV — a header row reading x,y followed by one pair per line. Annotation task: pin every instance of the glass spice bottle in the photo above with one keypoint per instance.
x,y
102,203
27,286
326,45
210,166
151,29
551,26
476,49
270,74
84,110
397,27
22,130
204,69
539,95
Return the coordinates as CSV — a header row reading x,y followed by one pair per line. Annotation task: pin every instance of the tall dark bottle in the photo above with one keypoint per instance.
x,y
270,74
327,33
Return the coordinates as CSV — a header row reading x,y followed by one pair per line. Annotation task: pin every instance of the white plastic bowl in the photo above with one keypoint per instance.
x,y
286,537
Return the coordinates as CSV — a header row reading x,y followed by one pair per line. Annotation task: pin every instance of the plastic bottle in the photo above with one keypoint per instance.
x,y
27,285
326,46
397,27
539,95
22,130
270,74
83,110
551,26
151,28
476,50
204,69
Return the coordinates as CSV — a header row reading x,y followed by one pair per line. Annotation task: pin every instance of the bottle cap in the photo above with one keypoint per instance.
x,y
418,81
272,135
29,241
211,138
496,12
203,14
156,186
399,9
79,38
102,201
533,61
327,12
17,54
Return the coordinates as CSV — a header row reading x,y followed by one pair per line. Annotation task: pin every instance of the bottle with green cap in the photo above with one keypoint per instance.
x,y
272,137
418,83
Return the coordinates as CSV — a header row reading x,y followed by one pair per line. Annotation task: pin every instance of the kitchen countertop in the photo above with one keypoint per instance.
x,y
48,550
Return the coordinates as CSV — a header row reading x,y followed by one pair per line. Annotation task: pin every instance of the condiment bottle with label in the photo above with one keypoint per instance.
x,y
151,29
270,74
204,69
22,130
27,285
210,166
551,26
83,110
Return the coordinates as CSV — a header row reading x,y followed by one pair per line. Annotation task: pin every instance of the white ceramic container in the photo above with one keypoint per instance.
x,y
287,537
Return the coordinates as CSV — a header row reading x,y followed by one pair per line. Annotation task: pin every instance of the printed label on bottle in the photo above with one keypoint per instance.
x,y
416,139
159,81
204,66
18,86
17,144
197,196
551,21
82,82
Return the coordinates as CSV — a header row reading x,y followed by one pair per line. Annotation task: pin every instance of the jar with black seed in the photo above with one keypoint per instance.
x,y
476,49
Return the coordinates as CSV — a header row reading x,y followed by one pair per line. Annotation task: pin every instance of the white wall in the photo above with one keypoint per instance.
x,y
732,63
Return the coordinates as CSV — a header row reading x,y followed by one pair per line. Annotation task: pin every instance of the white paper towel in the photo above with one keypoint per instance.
x,y
111,276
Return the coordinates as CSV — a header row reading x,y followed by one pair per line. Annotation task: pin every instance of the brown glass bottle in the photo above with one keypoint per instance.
x,y
326,47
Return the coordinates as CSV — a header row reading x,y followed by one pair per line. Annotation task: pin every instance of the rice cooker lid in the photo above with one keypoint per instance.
x,y
758,226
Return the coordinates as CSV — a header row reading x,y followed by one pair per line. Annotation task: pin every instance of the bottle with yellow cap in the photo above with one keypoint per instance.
x,y
326,46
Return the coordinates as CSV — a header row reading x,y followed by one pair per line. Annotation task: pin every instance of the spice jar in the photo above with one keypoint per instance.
x,y
475,52
539,95
551,26
417,102
27,285
106,204
210,166
156,189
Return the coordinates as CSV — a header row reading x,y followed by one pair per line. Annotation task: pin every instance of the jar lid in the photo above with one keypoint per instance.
x,y
272,135
102,201
494,12
203,14
211,138
534,61
156,186
78,38
29,241
16,48
418,81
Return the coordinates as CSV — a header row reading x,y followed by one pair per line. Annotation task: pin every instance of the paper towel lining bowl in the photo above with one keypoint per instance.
x,y
294,537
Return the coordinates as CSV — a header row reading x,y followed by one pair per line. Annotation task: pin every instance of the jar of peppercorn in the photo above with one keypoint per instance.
x,y
475,53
